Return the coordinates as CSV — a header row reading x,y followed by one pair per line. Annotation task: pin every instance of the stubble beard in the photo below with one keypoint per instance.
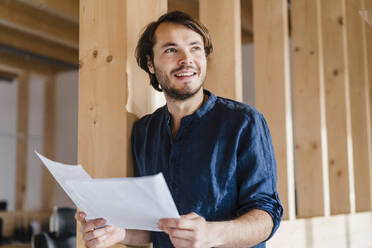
x,y
176,94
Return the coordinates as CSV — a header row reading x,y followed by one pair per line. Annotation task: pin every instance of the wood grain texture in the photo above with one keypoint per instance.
x,y
358,104
272,89
333,28
22,140
307,102
224,72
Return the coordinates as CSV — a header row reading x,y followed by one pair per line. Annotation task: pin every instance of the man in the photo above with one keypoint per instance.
x,y
216,154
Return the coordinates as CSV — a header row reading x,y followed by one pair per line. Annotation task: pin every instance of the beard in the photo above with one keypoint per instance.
x,y
177,94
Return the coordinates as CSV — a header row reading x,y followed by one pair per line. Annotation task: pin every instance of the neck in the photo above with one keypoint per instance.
x,y
179,109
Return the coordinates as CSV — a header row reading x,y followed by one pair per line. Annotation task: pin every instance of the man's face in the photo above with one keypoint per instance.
x,y
179,60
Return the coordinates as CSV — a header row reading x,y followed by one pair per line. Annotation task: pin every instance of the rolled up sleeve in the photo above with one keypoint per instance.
x,y
256,171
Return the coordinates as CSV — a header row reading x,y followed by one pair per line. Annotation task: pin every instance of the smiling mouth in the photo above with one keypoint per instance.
x,y
185,74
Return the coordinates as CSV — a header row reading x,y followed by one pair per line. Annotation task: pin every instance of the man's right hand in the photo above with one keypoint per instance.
x,y
96,236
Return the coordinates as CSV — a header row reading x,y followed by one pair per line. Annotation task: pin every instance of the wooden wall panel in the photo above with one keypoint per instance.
x,y
368,58
102,128
103,147
22,138
341,231
224,72
333,34
307,102
358,104
273,89
49,142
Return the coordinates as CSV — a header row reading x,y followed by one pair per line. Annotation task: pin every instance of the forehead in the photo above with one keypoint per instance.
x,y
175,33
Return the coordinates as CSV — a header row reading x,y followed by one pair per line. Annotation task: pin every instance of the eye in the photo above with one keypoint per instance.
x,y
171,50
196,48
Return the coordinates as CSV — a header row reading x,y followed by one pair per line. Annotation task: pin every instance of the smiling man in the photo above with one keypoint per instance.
x,y
216,154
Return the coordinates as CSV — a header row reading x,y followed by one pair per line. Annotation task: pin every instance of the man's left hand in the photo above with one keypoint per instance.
x,y
190,230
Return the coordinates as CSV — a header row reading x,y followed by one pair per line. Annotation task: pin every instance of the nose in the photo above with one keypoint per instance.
x,y
185,58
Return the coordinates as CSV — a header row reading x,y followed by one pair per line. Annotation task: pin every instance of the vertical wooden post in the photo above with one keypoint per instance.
x,y
103,147
102,128
307,102
22,140
273,96
141,94
358,103
368,74
338,131
49,143
224,73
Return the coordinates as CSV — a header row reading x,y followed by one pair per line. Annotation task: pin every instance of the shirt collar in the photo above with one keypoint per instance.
x,y
208,105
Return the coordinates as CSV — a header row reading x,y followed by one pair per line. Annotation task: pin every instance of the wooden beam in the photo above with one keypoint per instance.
x,y
67,9
341,231
273,96
224,72
358,91
31,43
338,129
103,137
28,19
23,63
22,141
7,74
368,72
246,15
49,142
307,102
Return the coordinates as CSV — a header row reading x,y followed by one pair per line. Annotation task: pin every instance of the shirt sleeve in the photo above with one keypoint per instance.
x,y
256,171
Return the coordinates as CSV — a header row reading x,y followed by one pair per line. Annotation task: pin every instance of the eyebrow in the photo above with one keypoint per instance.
x,y
171,44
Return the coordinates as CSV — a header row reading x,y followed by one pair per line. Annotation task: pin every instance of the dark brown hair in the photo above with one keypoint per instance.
x,y
147,40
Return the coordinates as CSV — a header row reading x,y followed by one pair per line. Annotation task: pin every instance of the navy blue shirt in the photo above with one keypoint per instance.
x,y
220,165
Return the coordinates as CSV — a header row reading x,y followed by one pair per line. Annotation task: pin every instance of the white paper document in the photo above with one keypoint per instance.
x,y
133,203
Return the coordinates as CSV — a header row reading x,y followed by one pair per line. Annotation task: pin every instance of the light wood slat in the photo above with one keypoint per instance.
x,y
368,71
358,104
17,39
103,138
224,72
306,90
31,20
273,89
333,40
22,140
341,231
49,141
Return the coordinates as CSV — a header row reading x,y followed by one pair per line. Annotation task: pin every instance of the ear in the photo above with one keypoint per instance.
x,y
150,65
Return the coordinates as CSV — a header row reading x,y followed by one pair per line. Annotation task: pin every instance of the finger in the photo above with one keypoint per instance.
x,y
181,223
191,215
181,233
80,216
92,224
97,233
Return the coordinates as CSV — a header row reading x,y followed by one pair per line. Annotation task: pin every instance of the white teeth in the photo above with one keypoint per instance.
x,y
184,74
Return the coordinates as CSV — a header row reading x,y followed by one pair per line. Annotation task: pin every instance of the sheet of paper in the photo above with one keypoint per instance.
x,y
133,203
